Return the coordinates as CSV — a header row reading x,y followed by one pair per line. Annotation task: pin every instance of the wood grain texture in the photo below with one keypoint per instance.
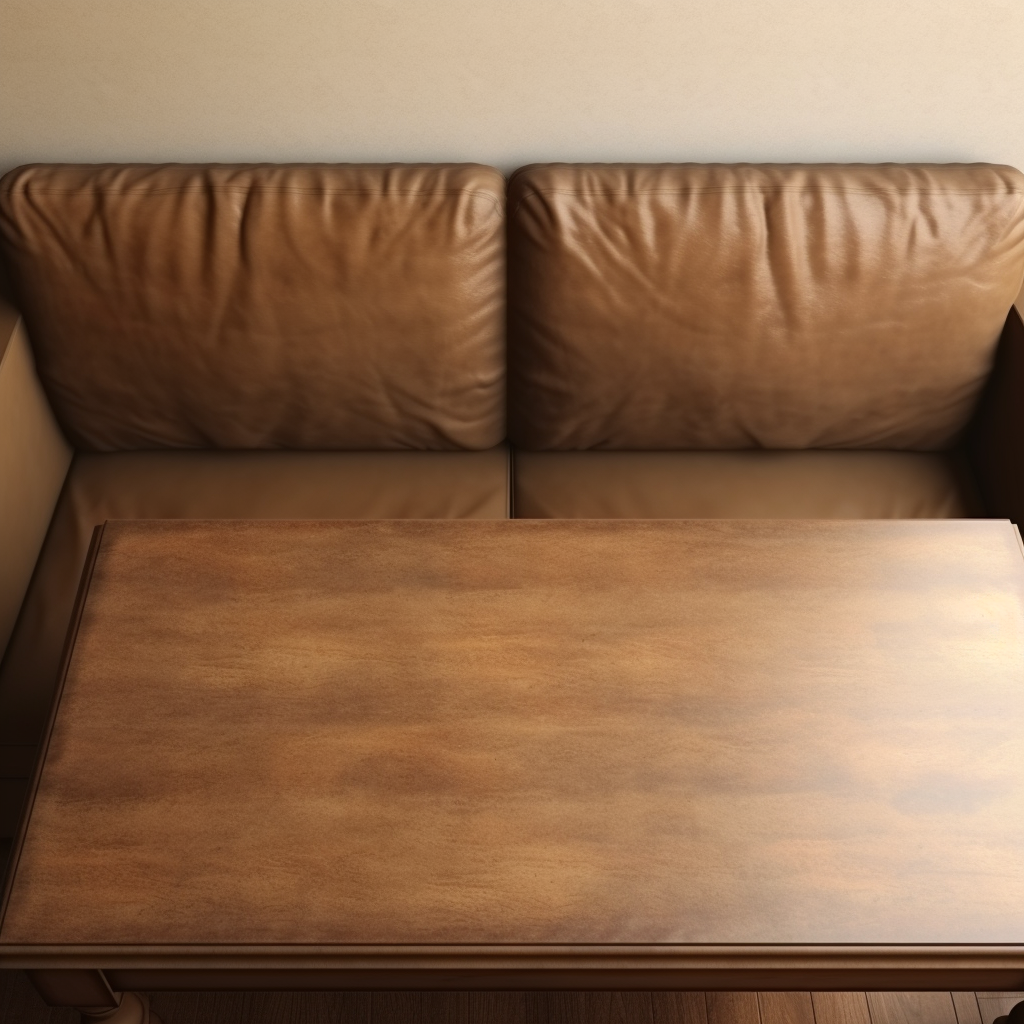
x,y
679,1008
508,1007
445,1007
600,1008
840,1008
785,1007
301,1008
577,732
911,1008
428,1007
395,1007
965,1005
732,1008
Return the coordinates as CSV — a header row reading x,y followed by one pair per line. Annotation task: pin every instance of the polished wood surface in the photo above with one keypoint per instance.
x,y
577,733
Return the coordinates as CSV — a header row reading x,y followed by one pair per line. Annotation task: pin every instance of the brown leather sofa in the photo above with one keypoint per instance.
x,y
330,342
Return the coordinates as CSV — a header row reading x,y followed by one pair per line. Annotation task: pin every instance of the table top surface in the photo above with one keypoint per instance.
x,y
589,732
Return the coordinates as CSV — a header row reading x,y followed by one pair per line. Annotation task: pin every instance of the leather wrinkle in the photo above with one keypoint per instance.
x,y
454,237
835,259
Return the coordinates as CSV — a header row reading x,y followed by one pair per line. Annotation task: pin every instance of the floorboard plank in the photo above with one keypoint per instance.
x,y
965,1005
785,1007
200,1007
178,1007
679,1008
226,1007
445,1008
395,1007
840,1008
351,1007
507,1008
911,1008
733,1008
995,1004
262,1007
284,1008
307,1008
600,1008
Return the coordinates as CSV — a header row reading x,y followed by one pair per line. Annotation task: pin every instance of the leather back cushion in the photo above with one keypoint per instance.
x,y
308,306
703,307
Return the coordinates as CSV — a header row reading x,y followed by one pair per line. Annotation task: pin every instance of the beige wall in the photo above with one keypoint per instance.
x,y
509,81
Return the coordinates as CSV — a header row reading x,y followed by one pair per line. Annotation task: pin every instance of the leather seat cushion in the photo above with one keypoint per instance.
x,y
741,485
323,307
700,306
221,485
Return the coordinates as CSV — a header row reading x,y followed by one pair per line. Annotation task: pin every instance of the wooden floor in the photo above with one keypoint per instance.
x,y
19,1004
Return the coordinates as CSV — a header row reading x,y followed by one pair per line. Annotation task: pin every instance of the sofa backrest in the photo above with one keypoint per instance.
x,y
703,307
307,306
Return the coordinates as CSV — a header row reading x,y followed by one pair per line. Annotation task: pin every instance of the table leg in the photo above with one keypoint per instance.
x,y
133,1009
90,993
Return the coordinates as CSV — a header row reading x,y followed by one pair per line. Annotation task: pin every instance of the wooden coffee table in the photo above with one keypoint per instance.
x,y
563,754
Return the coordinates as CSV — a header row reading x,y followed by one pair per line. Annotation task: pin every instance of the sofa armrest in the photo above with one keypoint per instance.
x,y
34,459
995,436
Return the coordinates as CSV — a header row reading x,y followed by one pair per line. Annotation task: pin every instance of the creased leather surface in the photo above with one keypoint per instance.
x,y
317,306
722,307
742,485
221,485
